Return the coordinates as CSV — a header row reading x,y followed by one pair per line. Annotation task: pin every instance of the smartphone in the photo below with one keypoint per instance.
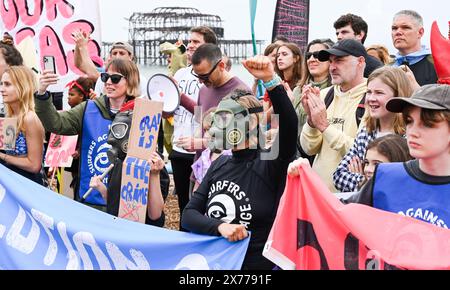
x,y
49,63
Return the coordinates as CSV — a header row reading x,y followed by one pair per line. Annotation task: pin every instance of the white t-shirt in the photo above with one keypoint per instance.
x,y
184,123
100,86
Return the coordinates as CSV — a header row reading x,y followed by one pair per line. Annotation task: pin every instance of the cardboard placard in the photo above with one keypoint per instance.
x,y
144,128
60,150
136,168
134,191
8,133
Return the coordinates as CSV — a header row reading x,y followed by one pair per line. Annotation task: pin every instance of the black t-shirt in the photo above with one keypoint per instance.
x,y
245,189
365,196
115,185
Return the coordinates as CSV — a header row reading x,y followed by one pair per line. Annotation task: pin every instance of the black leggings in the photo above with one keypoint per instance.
x,y
181,166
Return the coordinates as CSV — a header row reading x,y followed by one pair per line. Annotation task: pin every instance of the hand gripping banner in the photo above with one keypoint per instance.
x,y
42,230
313,230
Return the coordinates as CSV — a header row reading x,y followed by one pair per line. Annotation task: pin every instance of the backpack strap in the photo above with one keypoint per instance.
x,y
329,97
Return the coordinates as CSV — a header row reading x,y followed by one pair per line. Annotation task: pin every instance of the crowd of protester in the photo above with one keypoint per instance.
x,y
372,123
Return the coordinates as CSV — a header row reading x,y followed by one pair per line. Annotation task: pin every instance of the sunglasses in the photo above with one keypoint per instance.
x,y
309,54
205,77
115,78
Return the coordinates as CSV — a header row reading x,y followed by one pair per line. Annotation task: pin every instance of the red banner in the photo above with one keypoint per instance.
x,y
314,230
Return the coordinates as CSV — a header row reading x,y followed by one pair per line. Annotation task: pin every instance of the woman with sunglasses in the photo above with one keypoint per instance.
x,y
315,73
90,120
241,192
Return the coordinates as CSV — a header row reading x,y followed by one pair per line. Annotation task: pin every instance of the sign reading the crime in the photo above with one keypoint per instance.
x,y
60,151
8,133
136,169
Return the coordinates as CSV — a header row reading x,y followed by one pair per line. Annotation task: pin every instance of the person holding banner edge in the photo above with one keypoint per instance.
x,y
416,188
241,192
91,120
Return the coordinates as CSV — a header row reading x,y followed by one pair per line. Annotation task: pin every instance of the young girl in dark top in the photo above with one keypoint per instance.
x,y
240,193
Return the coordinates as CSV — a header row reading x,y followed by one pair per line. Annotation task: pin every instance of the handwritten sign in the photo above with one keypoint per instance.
x,y
8,133
134,191
50,24
144,129
136,169
60,151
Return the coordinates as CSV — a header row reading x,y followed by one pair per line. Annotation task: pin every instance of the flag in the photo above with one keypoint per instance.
x,y
313,230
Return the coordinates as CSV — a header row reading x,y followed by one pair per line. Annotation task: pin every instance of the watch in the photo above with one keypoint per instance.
x,y
274,82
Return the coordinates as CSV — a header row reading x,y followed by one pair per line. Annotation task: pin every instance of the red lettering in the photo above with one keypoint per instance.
x,y
25,16
57,158
9,14
50,44
53,6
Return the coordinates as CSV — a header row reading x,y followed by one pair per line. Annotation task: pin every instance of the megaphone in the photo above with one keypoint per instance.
x,y
162,89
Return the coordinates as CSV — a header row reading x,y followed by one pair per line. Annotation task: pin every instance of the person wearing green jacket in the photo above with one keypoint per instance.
x,y
90,120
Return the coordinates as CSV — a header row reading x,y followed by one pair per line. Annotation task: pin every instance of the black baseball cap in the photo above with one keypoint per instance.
x,y
431,97
344,47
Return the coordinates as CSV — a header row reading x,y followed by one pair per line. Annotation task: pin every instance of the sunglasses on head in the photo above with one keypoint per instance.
x,y
115,78
315,54
205,77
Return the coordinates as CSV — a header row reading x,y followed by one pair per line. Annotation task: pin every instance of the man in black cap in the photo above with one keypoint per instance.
x,y
350,26
333,116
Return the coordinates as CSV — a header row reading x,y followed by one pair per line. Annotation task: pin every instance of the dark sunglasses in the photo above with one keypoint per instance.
x,y
205,77
115,78
309,54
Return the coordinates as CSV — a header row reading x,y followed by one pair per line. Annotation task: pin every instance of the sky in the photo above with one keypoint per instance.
x,y
236,16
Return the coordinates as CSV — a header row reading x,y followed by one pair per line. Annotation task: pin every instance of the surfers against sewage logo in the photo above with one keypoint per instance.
x,y
97,155
228,203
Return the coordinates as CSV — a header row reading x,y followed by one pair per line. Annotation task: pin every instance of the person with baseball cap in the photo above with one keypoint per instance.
x,y
351,26
332,114
419,188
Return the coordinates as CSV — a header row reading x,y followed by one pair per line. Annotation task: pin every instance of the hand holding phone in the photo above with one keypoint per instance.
x,y
49,63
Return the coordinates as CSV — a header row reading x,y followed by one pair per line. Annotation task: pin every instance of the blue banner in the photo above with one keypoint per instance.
x,y
40,229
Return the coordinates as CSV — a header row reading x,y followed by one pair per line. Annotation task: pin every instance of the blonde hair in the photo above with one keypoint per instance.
x,y
23,79
396,79
382,52
131,73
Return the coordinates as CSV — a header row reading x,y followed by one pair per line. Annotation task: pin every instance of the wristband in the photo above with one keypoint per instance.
x,y
276,81
43,97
